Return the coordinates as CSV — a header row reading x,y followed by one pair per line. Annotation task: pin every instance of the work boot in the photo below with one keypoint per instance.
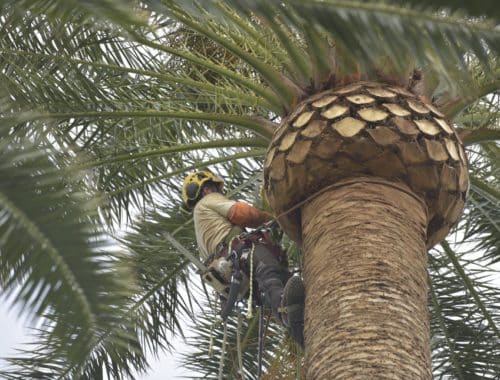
x,y
292,308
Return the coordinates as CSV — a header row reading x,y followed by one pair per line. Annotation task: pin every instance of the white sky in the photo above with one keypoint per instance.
x,y
14,333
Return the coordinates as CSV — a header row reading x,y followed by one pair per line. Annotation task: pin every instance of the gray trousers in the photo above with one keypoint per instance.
x,y
271,277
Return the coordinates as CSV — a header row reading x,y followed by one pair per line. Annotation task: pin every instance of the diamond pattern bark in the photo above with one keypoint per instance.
x,y
366,307
365,129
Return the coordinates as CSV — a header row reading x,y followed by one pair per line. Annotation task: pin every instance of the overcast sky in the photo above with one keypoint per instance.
x,y
14,333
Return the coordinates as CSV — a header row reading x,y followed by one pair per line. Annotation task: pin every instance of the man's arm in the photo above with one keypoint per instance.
x,y
245,215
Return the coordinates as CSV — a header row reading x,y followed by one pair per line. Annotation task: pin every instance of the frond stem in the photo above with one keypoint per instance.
x,y
252,153
250,99
45,244
403,12
474,136
453,107
270,96
469,285
484,187
233,143
297,65
442,325
285,89
246,122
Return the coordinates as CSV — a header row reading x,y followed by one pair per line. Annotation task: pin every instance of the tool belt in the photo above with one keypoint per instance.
x,y
245,240
220,265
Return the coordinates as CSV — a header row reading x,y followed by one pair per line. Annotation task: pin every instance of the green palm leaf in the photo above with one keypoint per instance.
x,y
149,99
482,226
465,326
55,259
209,360
117,10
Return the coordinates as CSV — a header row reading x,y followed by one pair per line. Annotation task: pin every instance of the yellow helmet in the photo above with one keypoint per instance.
x,y
193,183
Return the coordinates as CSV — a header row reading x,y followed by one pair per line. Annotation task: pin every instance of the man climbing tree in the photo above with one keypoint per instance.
x,y
367,119
220,233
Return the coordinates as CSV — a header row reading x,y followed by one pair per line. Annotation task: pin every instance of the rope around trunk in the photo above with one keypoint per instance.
x,y
351,181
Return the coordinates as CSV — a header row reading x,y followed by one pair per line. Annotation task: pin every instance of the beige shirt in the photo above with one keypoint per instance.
x,y
211,223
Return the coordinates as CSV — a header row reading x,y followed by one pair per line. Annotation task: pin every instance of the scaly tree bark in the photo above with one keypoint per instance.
x,y
367,283
366,177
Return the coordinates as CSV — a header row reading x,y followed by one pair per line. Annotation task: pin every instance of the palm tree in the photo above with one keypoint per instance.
x,y
357,115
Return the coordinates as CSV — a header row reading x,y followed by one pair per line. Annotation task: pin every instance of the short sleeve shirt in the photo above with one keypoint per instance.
x,y
211,222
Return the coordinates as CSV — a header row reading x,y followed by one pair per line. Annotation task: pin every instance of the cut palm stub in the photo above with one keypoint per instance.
x,y
367,129
366,178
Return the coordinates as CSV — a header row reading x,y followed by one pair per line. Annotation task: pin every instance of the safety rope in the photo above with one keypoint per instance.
x,y
223,352
211,345
250,295
238,346
345,182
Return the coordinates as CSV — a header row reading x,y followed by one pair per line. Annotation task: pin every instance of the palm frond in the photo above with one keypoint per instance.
x,y
465,337
487,8
55,260
481,228
120,11
111,103
145,325
423,36
464,297
115,352
147,100
208,358
208,27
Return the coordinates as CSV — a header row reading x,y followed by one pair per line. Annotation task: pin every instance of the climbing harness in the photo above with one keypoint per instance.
x,y
225,268
235,286
231,273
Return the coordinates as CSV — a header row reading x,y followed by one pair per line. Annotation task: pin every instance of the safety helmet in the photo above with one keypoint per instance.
x,y
193,183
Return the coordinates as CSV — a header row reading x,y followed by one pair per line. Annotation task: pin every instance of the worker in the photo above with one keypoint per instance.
x,y
220,224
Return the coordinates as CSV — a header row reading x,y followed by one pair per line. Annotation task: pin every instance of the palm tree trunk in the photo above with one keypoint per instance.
x,y
366,282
